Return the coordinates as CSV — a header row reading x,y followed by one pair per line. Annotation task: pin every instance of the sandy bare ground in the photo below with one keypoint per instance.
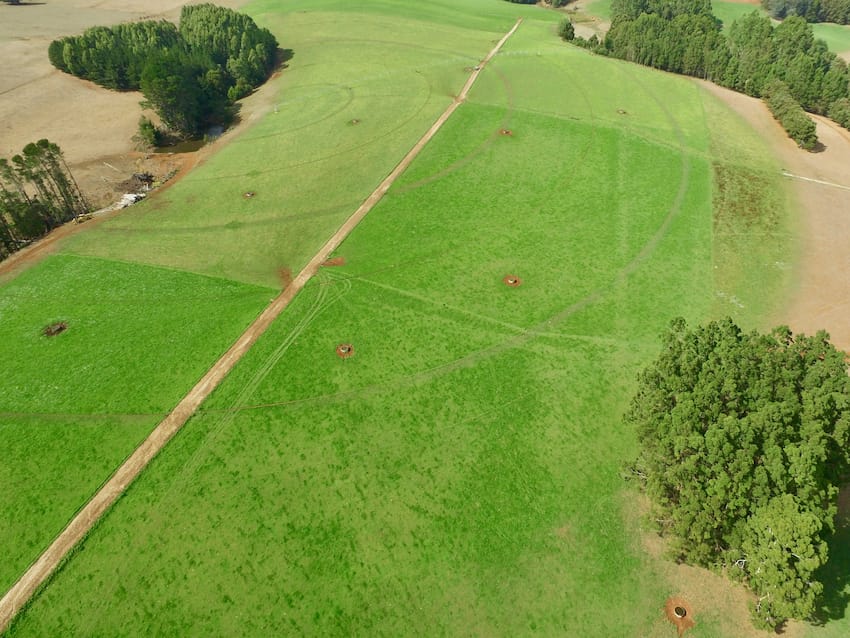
x,y
80,525
821,297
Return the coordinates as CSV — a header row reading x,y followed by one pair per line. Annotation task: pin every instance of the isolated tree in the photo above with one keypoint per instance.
x,y
566,30
743,443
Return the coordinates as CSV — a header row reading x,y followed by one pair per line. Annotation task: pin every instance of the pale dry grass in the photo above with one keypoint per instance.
x,y
821,296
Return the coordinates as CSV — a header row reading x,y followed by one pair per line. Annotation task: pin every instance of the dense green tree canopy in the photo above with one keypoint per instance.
x,y
189,75
744,442
683,36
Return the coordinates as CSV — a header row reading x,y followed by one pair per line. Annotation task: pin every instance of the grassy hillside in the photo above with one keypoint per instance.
x,y
356,96
74,405
459,475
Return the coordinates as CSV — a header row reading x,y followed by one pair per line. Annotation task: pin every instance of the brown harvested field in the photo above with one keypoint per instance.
x,y
821,296
92,125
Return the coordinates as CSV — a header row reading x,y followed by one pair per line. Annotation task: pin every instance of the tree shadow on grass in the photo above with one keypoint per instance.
x,y
835,575
282,56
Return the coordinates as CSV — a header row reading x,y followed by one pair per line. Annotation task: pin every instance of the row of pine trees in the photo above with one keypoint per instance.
x,y
37,193
756,57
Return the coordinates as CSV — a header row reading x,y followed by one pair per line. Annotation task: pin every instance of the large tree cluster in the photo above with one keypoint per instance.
x,y
812,10
744,443
189,75
37,193
684,36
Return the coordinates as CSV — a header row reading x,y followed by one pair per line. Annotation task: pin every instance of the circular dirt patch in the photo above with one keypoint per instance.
x,y
506,132
679,613
54,329
248,194
512,280
345,350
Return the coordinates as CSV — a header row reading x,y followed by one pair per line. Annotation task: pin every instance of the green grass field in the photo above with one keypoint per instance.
x,y
309,166
599,8
836,36
728,12
74,405
460,474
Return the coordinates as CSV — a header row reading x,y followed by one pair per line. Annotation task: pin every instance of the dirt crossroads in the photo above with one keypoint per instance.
x,y
80,525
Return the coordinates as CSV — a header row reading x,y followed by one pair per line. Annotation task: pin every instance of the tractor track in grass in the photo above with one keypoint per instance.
x,y
78,528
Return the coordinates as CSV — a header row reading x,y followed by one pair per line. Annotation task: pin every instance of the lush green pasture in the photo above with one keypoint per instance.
x,y
459,475
309,165
74,405
728,12
836,36
599,8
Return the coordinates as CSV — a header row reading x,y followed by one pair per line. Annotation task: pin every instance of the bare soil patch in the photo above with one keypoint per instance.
x,y
54,329
821,296
345,350
680,613
512,281
334,261
285,275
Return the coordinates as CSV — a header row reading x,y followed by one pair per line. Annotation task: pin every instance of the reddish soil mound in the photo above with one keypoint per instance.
x,y
679,613
512,280
345,350
334,261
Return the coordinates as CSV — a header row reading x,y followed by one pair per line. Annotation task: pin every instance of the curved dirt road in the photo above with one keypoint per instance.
x,y
80,525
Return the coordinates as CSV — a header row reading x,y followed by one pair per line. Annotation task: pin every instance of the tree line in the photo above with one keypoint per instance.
x,y
190,75
744,443
37,194
684,36
551,3
837,11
